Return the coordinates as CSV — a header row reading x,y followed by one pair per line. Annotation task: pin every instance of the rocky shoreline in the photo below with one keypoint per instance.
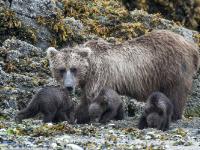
x,y
32,134
27,28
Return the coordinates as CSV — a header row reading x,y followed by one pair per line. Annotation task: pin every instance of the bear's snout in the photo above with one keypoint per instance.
x,y
69,81
70,88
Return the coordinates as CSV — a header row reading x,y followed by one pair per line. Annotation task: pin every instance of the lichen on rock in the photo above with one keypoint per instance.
x,y
185,12
10,26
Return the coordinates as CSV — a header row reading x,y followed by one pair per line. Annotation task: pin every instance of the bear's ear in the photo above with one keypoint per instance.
x,y
51,52
85,52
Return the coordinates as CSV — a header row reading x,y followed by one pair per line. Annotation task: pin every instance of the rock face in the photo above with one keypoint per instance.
x,y
23,69
193,104
43,22
155,21
27,11
30,12
186,12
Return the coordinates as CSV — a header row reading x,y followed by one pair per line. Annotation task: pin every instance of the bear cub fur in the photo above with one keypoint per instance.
x,y
53,102
158,112
106,106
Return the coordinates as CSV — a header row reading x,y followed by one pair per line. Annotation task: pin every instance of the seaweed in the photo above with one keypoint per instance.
x,y
11,26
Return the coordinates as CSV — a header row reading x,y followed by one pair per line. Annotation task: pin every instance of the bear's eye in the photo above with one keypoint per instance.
x,y
62,71
73,70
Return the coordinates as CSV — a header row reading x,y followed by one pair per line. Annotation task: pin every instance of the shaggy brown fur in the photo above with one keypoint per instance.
x,y
81,112
53,102
106,106
159,61
158,112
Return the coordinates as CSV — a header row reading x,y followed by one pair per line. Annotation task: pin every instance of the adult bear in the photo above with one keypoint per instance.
x,y
159,61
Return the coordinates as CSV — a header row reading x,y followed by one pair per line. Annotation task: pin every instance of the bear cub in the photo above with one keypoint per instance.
x,y
106,106
53,102
158,112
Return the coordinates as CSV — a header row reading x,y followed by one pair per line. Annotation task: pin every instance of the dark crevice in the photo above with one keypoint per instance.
x,y
21,14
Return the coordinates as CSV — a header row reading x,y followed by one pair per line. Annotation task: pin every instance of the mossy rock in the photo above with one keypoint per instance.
x,y
185,12
11,26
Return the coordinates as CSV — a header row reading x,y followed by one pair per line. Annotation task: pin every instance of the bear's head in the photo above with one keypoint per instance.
x,y
69,66
95,112
154,120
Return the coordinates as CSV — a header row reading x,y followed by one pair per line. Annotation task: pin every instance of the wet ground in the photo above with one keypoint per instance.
x,y
33,134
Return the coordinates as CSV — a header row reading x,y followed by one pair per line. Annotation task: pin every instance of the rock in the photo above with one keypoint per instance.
x,y
185,12
3,76
49,124
32,134
22,47
75,25
188,34
41,19
73,147
3,3
63,141
193,104
54,145
34,8
135,108
27,11
154,21
22,71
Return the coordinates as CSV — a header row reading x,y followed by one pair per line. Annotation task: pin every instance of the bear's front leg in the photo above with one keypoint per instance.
x,y
178,97
61,116
142,122
25,114
48,117
81,113
120,113
107,116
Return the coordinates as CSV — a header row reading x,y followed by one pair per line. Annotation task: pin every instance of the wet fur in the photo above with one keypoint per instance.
x,y
53,102
159,61
81,113
158,112
106,106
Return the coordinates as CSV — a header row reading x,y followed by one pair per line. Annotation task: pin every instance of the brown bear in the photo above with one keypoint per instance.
x,y
158,61
158,112
53,102
106,106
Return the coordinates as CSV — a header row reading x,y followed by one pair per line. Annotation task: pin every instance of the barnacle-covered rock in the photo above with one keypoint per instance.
x,y
27,11
10,26
23,71
186,12
156,21
40,22
61,23
135,108
34,134
193,105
